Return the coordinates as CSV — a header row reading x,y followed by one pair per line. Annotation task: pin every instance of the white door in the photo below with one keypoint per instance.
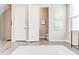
x,y
57,22
19,22
51,22
33,23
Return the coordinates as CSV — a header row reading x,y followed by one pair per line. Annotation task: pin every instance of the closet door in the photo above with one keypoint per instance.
x,y
51,23
33,27
57,22
60,22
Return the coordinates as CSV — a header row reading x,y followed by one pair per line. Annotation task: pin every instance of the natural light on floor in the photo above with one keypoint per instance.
x,y
43,50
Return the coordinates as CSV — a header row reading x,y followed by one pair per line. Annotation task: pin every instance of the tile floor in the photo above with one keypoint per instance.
x,y
9,48
43,50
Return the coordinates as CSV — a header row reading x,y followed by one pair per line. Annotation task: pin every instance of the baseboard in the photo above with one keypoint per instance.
x,y
69,42
20,41
57,40
14,40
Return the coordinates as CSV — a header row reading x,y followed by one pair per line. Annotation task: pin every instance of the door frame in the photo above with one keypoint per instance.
x,y
43,5
46,6
29,13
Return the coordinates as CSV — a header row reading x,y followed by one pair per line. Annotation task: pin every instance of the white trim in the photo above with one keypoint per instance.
x,y
57,40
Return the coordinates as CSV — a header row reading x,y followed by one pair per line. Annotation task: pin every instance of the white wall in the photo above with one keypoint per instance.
x,y
68,27
19,22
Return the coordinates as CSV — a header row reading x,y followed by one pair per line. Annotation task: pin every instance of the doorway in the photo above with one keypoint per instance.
x,y
43,25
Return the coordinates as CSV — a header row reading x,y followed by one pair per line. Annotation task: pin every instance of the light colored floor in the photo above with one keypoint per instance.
x,y
43,50
8,48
